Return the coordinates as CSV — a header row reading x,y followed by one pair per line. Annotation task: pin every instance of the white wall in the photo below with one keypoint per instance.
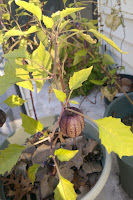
x,y
118,35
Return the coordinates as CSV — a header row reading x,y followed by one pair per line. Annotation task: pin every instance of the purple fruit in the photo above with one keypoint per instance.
x,y
71,124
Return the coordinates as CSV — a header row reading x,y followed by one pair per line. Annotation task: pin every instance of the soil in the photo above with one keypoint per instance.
x,y
83,170
128,121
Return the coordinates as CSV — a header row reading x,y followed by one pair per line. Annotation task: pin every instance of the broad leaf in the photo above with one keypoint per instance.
x,y
79,77
14,100
32,171
65,190
41,59
32,29
64,154
30,125
9,78
6,16
73,102
24,75
42,37
115,136
31,8
109,58
9,157
17,53
48,21
109,41
60,95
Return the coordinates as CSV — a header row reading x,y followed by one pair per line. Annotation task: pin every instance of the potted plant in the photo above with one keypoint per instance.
x,y
122,108
49,37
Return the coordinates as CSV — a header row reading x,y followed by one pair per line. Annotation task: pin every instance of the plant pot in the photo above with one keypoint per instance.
x,y
123,108
130,77
90,131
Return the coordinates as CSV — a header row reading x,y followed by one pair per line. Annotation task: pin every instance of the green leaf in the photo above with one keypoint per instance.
x,y
30,125
48,21
63,24
113,71
77,59
9,157
73,102
79,77
6,16
17,53
31,8
97,82
115,136
41,58
32,29
24,75
32,171
65,190
109,41
42,37
109,58
9,78
12,32
88,38
14,100
64,1
81,52
64,154
60,95
66,12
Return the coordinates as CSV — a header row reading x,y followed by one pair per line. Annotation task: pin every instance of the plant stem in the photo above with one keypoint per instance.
x,y
33,105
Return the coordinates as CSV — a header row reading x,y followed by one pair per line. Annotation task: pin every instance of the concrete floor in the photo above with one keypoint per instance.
x,y
112,189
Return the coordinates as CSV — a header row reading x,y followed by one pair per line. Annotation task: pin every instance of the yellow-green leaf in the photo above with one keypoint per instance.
x,y
32,29
109,41
79,77
9,157
30,125
81,52
65,12
17,53
64,154
115,136
77,59
60,95
32,172
6,16
65,190
48,21
73,102
12,32
14,100
88,38
31,8
42,37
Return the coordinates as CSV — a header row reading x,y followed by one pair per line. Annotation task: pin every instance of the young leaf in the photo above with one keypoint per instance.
x,y
64,154
12,32
32,29
42,37
31,8
115,136
73,102
30,125
65,190
32,171
104,37
109,58
66,12
81,52
97,82
78,78
14,100
60,95
9,157
77,59
48,21
6,16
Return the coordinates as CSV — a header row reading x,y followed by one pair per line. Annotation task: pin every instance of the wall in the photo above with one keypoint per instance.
x,y
118,35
